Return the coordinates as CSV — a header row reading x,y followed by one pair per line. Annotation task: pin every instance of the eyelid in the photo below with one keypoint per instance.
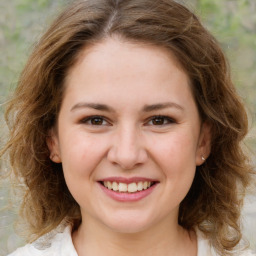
x,y
170,120
86,120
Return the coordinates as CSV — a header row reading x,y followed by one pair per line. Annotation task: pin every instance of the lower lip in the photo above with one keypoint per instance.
x,y
128,197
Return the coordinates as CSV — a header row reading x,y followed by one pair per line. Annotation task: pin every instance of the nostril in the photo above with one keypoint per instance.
x,y
127,159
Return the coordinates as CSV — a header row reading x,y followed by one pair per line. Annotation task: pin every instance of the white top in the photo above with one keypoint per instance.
x,y
61,245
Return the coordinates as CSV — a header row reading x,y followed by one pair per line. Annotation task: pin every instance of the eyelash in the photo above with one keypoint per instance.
x,y
164,118
151,119
91,118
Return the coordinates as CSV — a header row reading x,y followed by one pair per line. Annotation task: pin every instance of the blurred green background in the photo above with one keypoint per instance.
x,y
233,22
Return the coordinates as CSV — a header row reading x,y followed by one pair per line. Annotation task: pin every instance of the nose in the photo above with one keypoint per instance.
x,y
127,149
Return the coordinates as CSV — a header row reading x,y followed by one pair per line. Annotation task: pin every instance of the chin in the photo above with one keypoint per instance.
x,y
129,224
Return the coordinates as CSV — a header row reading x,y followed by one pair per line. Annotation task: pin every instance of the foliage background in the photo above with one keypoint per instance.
x,y
233,22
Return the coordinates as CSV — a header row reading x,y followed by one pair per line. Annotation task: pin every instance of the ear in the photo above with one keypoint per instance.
x,y
52,141
204,143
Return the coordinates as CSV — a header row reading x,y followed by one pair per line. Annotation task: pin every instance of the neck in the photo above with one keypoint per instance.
x,y
161,239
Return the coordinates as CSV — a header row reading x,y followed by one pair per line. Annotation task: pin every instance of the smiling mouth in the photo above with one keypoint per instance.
x,y
127,188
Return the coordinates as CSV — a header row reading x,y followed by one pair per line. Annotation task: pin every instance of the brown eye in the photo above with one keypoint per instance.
x,y
160,120
97,121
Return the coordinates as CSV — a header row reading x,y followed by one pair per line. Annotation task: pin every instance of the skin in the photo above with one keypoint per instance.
x,y
127,140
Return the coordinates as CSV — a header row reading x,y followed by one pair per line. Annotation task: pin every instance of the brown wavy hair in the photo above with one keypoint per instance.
x,y
214,201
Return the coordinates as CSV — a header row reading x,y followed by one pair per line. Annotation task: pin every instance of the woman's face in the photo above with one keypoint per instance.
x,y
129,135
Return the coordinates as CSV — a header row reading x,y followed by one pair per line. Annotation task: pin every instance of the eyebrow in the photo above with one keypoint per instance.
x,y
96,106
146,108
159,106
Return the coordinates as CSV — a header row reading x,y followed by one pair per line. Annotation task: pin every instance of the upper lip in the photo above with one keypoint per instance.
x,y
128,180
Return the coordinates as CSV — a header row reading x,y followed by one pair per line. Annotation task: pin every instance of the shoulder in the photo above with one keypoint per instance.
x,y
203,245
205,248
248,253
56,243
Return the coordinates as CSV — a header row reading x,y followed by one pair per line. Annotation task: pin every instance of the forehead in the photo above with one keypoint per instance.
x,y
115,51
114,66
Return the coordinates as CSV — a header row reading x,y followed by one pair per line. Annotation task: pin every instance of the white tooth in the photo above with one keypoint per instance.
x,y
149,184
109,184
105,184
132,187
115,186
122,187
145,185
140,185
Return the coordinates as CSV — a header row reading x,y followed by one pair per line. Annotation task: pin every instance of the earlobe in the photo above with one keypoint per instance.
x,y
53,146
204,144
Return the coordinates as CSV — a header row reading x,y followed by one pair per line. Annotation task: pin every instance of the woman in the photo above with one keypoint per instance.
x,y
125,129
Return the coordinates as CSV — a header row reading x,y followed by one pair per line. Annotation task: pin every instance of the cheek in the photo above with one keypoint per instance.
x,y
80,157
176,158
81,153
175,148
